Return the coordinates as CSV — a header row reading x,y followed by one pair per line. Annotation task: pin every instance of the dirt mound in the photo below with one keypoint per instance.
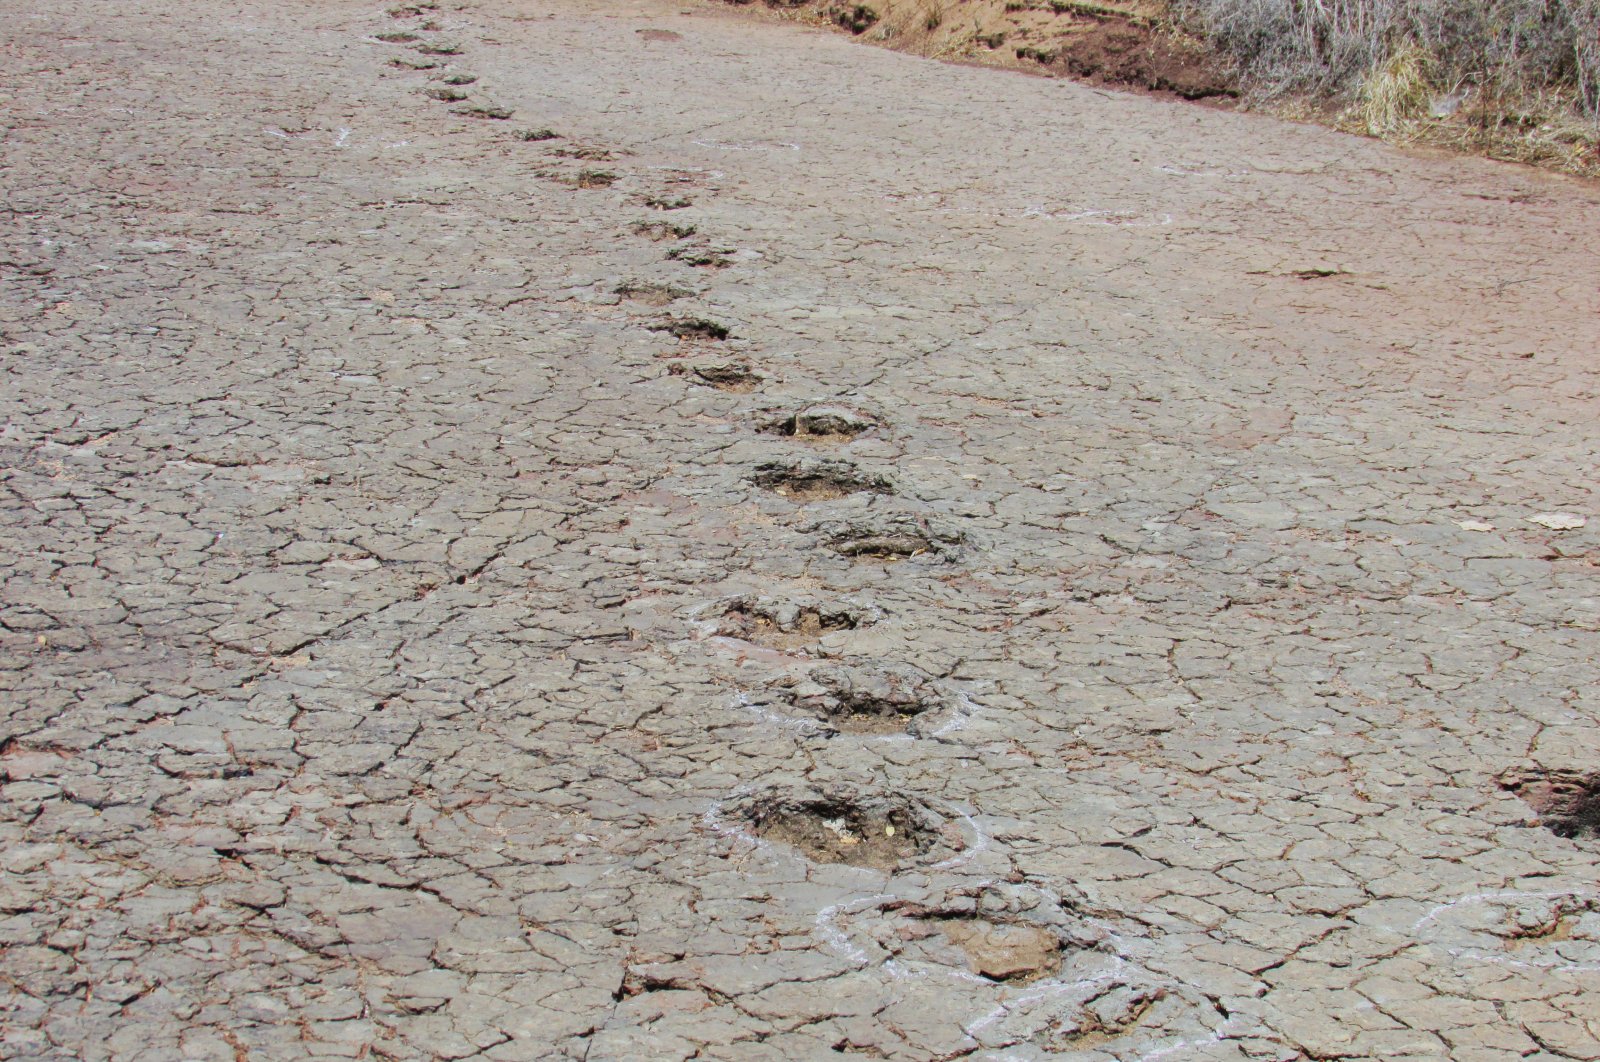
x,y
1126,44
1126,54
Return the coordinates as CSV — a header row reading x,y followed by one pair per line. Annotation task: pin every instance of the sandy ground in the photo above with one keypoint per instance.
x,y
829,554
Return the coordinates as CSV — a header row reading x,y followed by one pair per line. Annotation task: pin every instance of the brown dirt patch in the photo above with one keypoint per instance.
x,y
868,831
1124,54
1003,951
1568,802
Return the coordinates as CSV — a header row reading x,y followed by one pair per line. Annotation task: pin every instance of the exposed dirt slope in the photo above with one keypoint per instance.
x,y
1128,44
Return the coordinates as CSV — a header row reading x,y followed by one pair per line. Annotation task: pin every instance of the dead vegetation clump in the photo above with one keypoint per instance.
x,y
1516,79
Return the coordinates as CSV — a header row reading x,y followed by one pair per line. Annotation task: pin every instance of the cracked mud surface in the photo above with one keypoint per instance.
x,y
367,551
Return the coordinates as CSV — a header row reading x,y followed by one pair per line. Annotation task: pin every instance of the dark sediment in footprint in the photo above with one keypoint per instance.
x,y
844,826
821,423
811,481
651,293
788,625
691,328
734,376
662,230
1568,802
585,152
702,257
853,699
892,538
1002,951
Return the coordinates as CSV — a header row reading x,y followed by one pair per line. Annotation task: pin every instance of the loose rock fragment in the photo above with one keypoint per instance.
x,y
1559,521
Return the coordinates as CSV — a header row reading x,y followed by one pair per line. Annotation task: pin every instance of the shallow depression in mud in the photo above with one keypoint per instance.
x,y
871,699
811,481
691,328
651,293
1568,802
871,714
877,832
822,423
734,376
1001,951
788,626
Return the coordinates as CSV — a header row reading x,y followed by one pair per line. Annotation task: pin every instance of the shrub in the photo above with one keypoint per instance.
x,y
1384,51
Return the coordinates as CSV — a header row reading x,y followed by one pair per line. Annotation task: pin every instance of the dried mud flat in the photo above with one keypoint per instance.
x,y
762,548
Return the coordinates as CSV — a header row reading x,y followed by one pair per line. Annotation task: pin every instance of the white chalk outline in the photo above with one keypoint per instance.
x,y
1479,955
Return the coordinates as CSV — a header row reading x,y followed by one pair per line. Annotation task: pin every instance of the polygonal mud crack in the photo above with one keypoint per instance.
x,y
892,539
980,943
1002,932
1557,930
1568,802
786,624
734,376
857,700
1113,1014
873,831
1552,922
810,481
820,424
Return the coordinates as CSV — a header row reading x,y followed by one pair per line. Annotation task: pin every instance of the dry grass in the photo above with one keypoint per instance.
x,y
1513,78
1396,92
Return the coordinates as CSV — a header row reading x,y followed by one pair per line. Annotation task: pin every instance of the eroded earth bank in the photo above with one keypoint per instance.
x,y
621,532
